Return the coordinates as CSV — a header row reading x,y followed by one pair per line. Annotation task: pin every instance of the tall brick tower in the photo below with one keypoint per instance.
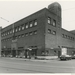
x,y
56,9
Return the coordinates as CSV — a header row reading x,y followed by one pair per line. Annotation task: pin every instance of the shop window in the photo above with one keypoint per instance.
x,y
47,52
42,53
49,30
54,22
35,22
49,20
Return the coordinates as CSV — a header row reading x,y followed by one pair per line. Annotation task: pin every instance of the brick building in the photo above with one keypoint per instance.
x,y
38,34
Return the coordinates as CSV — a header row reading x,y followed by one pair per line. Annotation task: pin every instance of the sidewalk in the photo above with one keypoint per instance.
x,y
32,59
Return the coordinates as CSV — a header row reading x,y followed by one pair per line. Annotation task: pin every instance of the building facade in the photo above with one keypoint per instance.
x,y
38,34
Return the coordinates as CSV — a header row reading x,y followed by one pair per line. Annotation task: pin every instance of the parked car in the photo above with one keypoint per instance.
x,y
65,57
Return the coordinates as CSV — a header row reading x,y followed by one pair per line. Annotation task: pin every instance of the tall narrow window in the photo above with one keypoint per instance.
x,y
35,32
54,22
8,32
30,24
49,20
19,28
49,30
23,27
35,22
62,35
26,25
16,29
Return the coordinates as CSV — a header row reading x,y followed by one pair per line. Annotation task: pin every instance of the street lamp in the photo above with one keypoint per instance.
x,y
4,19
13,32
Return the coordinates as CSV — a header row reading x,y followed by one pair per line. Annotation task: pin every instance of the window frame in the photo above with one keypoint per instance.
x,y
49,20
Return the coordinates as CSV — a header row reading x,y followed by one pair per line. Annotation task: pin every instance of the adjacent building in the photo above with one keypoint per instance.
x,y
40,33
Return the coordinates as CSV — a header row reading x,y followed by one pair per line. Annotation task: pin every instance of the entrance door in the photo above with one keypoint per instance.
x,y
14,53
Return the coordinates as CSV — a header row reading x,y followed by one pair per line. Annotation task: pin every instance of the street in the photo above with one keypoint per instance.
x,y
19,65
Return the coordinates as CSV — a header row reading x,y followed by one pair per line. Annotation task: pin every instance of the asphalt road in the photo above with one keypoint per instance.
x,y
19,65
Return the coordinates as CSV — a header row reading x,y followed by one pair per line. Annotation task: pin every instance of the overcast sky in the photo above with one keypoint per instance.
x,y
16,10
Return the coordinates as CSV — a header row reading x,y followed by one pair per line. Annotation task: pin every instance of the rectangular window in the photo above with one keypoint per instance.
x,y
30,33
16,37
2,34
26,34
35,32
23,27
35,22
10,31
65,36
13,30
49,20
19,28
6,33
54,32
16,29
26,25
22,35
54,22
68,37
19,36
62,35
73,38
49,30
30,24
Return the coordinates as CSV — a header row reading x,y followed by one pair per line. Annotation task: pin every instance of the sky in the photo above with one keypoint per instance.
x,y
15,10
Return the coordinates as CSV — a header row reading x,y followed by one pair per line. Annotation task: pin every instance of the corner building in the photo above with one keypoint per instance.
x,y
41,33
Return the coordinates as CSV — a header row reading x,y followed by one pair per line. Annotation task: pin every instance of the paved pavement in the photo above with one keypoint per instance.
x,y
19,65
